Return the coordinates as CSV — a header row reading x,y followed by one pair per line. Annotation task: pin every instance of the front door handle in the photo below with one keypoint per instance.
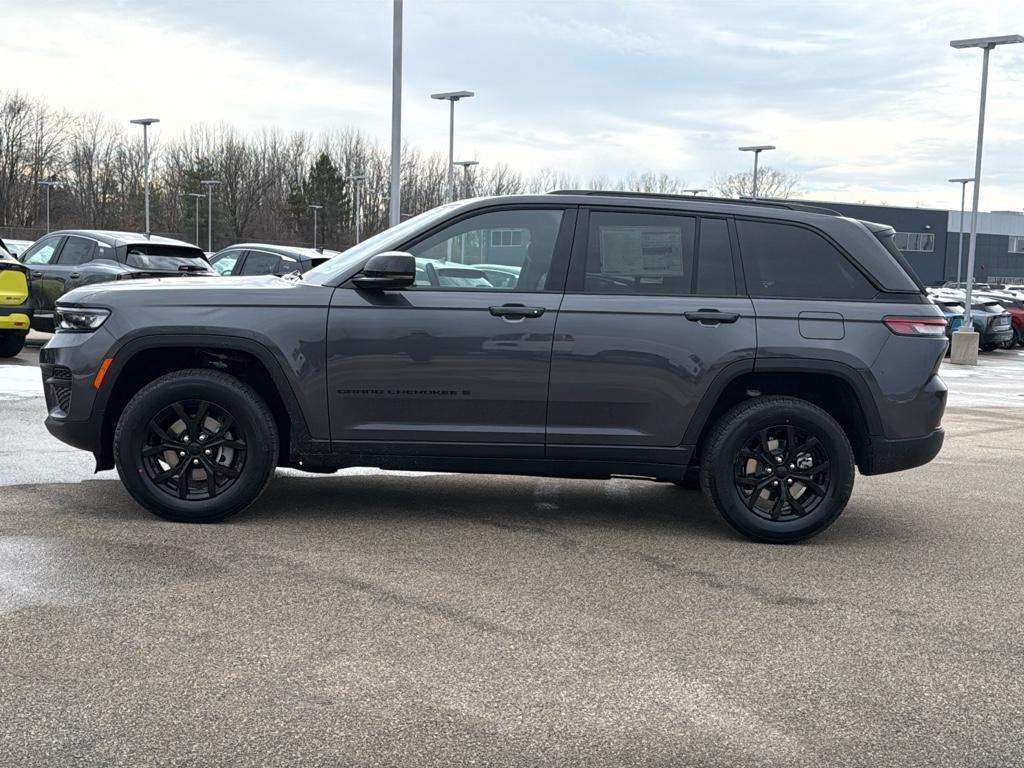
x,y
711,316
74,275
36,274
516,311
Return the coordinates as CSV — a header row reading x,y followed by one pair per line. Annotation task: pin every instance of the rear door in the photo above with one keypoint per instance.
x,y
651,315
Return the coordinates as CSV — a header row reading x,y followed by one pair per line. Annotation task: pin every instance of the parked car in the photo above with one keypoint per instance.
x,y
68,259
953,311
17,247
15,308
500,275
1015,308
263,259
444,274
770,347
993,324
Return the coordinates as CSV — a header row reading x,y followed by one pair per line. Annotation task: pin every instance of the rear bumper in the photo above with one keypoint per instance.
x,y
15,318
885,455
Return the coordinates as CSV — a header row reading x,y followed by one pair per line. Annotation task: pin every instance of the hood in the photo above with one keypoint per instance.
x,y
194,291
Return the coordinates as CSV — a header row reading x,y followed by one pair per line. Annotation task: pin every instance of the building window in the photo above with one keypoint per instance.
x,y
1017,244
506,238
915,241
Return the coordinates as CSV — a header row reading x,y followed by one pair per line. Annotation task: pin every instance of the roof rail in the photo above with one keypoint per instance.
x,y
769,202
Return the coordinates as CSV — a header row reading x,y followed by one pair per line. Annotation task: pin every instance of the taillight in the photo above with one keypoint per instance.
x,y
916,326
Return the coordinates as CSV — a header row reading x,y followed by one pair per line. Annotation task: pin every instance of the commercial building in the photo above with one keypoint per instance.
x,y
930,237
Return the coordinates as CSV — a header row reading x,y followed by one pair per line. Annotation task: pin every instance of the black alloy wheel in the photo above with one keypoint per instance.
x,y
782,473
194,450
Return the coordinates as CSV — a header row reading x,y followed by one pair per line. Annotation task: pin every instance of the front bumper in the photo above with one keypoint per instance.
x,y
885,455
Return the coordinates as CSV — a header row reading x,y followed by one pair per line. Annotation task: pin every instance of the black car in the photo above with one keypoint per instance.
x,y
770,348
71,258
263,259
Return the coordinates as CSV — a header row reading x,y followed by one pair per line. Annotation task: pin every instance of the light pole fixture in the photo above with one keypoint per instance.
x,y
395,202
986,44
757,149
356,179
316,209
466,165
209,184
198,196
960,249
49,185
694,191
451,97
145,122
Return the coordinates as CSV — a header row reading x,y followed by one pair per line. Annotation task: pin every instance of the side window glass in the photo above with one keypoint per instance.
x,y
77,250
224,262
715,273
517,244
42,252
785,261
260,263
640,253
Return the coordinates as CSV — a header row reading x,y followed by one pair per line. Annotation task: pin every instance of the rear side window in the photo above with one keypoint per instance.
x,y
640,253
77,250
715,273
166,258
260,263
790,262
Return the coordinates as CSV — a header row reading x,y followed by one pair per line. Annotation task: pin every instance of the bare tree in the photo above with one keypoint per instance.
x,y
771,182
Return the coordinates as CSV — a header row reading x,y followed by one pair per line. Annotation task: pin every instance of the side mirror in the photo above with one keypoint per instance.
x,y
388,270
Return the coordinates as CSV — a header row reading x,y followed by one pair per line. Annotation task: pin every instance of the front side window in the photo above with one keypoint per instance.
x,y
520,238
225,261
77,250
43,251
640,253
786,261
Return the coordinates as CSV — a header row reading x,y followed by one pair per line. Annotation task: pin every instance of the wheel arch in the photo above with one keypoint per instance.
x,y
144,359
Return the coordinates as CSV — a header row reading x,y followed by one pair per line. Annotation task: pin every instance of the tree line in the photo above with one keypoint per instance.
x,y
268,179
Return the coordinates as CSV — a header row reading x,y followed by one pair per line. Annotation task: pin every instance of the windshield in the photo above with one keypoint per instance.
x,y
379,243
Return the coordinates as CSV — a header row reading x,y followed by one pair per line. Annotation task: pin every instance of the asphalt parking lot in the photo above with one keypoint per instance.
x,y
372,618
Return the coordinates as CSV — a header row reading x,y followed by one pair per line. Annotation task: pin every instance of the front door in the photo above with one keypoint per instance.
x,y
453,365
40,259
651,315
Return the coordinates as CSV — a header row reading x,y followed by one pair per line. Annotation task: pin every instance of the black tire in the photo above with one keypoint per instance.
x,y
988,347
240,447
12,342
805,438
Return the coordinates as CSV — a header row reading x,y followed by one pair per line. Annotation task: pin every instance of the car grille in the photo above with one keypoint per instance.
x,y
57,388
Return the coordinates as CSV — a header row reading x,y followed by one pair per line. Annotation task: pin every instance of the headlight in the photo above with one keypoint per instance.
x,y
75,319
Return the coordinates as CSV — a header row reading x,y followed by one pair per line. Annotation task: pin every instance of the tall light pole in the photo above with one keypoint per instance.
x,y
48,184
451,97
960,250
315,209
395,203
198,196
356,180
145,122
694,191
466,165
209,184
986,44
757,149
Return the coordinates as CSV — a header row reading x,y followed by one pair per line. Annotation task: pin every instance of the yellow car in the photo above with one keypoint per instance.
x,y
15,311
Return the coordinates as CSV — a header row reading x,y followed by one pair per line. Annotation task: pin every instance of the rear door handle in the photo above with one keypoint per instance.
x,y
514,311
74,275
36,274
711,316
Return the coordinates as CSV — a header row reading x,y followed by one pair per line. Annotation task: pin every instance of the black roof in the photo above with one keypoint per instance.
x,y
122,238
769,202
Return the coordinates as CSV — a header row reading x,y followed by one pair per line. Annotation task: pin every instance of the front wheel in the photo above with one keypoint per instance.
x,y
196,446
778,469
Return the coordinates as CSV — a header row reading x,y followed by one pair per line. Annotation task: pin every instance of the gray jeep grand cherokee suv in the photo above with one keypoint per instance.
x,y
763,348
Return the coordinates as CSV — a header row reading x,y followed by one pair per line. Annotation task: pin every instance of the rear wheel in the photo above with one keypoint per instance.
x,y
778,469
195,446
12,342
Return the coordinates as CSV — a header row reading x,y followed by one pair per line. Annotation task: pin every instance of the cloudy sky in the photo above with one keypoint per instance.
x,y
865,100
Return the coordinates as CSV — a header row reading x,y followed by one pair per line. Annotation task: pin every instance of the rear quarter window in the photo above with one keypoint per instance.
x,y
791,262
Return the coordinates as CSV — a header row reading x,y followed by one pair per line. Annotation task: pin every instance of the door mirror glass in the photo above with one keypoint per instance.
x,y
388,270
